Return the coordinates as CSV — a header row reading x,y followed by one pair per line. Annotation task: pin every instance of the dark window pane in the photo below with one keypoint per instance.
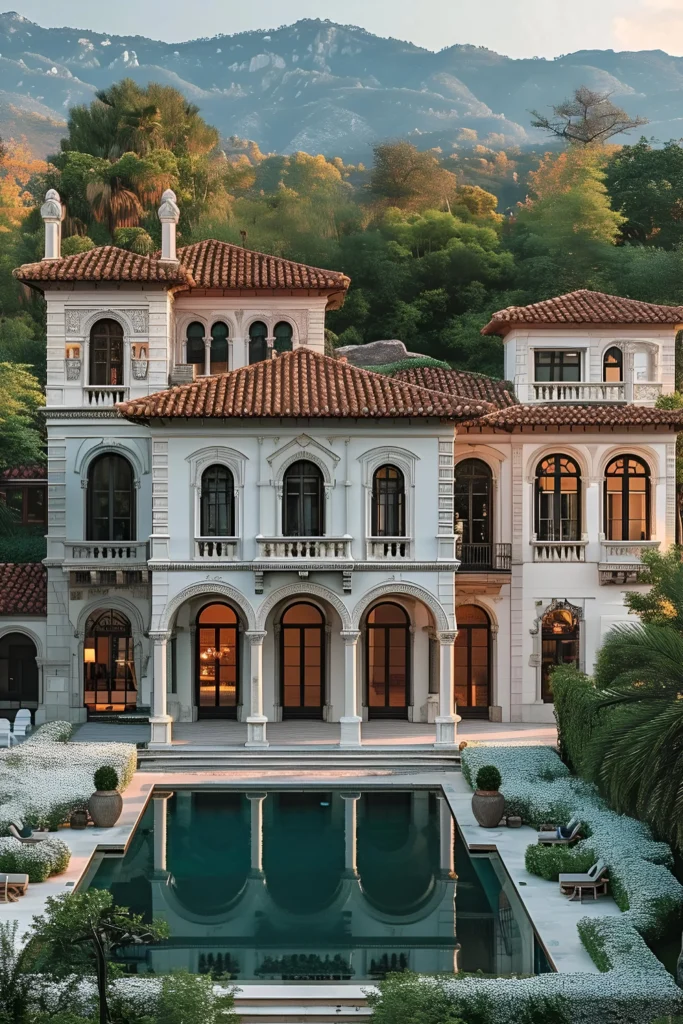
x,y
111,499
303,501
106,354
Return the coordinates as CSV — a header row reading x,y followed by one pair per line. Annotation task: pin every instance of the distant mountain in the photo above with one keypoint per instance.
x,y
323,87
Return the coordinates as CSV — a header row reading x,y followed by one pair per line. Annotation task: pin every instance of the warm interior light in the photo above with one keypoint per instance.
x,y
89,655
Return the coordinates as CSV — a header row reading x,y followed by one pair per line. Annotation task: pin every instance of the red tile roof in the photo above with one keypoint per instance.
x,y
583,307
568,416
38,472
23,588
300,383
208,264
104,263
475,386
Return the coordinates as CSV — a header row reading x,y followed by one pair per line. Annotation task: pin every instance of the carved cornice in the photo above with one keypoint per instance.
x,y
303,566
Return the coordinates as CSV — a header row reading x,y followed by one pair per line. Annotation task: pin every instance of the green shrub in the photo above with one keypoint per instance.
x,y
75,244
488,778
37,860
134,240
22,548
575,705
550,862
106,778
413,363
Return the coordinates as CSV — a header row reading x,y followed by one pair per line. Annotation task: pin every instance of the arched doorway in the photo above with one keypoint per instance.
x,y
303,662
18,671
388,661
217,671
472,514
473,662
560,643
110,682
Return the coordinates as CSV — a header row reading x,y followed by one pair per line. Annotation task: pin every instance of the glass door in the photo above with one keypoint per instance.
x,y
473,662
302,660
388,640
217,662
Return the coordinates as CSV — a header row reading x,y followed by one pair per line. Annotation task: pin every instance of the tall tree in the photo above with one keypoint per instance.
x,y
646,186
403,176
588,117
20,398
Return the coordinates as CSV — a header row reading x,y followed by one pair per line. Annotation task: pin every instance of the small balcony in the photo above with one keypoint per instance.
x,y
484,557
103,397
127,554
217,549
389,549
559,550
578,391
621,560
304,548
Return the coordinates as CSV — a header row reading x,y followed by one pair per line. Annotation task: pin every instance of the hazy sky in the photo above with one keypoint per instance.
x,y
519,28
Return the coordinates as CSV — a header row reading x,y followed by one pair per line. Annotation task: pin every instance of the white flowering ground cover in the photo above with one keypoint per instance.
x,y
634,988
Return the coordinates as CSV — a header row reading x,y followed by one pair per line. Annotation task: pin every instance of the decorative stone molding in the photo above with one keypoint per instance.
x,y
73,369
350,637
139,319
303,590
72,319
204,590
139,368
446,638
256,637
408,589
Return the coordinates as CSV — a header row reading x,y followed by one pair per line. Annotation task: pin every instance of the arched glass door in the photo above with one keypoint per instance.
x,y
109,665
18,671
473,662
560,643
217,662
472,514
303,662
388,661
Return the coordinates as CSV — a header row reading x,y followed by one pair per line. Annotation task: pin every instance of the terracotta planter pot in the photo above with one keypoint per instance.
x,y
488,807
105,807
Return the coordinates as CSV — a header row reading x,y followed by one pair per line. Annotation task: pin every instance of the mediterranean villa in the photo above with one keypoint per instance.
x,y
243,527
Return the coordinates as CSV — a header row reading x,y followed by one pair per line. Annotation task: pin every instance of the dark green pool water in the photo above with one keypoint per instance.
x,y
325,885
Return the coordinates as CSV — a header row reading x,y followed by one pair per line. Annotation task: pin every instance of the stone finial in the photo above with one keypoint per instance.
x,y
169,215
51,212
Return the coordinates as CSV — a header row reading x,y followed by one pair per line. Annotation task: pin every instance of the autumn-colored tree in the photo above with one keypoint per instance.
x,y
409,179
17,166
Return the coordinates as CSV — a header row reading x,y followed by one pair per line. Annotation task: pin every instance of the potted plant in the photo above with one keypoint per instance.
x,y
488,803
106,804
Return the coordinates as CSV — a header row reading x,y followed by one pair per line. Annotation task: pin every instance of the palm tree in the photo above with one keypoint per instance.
x,y
139,130
114,204
636,753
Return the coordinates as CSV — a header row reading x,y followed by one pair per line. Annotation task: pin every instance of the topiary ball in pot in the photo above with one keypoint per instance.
x,y
106,804
488,803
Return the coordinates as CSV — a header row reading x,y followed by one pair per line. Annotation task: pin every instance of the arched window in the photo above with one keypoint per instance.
x,y
303,502
388,503
258,346
111,499
219,347
106,354
388,661
218,502
109,665
558,499
627,499
472,513
560,640
194,346
217,662
283,337
18,671
302,661
613,366
473,662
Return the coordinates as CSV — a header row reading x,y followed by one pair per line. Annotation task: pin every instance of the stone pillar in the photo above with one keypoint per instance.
x,y
256,720
51,212
350,721
160,800
446,839
256,801
160,721
207,356
446,722
350,833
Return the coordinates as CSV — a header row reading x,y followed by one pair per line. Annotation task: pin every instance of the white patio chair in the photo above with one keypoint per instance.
x,y
22,723
6,735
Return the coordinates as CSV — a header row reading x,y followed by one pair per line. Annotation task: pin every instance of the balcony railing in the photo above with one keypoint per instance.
x,y
484,557
390,549
578,391
104,397
216,549
285,548
107,553
559,550
626,550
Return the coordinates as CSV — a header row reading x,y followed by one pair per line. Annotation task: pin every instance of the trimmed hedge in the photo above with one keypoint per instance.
x,y
576,714
550,862
37,860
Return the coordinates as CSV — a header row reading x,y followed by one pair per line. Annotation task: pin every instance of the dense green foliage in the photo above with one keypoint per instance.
x,y
106,778
551,861
488,778
575,707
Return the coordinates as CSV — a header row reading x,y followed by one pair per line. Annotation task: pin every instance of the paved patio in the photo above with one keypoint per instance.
x,y
320,734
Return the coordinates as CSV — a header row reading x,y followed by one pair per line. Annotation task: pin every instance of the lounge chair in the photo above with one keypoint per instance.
x,y
22,723
6,736
12,887
563,834
17,828
594,881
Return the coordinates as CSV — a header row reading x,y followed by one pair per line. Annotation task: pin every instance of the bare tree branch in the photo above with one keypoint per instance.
x,y
589,117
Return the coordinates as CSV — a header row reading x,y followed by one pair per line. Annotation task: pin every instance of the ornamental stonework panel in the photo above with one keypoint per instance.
x,y
139,319
73,321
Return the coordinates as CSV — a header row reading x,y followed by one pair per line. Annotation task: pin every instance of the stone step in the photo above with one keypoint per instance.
x,y
307,759
302,1002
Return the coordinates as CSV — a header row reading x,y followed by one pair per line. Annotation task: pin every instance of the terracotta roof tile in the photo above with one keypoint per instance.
x,y
104,263
475,386
38,472
215,264
23,588
299,383
579,416
583,307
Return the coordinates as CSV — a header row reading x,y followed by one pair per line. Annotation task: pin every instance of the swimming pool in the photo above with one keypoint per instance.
x,y
292,884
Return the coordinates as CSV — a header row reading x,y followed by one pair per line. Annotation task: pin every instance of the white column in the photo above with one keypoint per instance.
x,y
160,801
350,833
51,212
446,722
350,720
256,801
207,356
446,839
160,721
256,721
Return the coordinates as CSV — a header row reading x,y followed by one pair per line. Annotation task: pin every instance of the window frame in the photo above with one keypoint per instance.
x,y
557,362
625,495
113,334
258,339
557,475
90,517
314,471
613,351
383,509
205,507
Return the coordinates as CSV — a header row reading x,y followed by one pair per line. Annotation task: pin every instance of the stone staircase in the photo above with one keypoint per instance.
x,y
314,1004
291,758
